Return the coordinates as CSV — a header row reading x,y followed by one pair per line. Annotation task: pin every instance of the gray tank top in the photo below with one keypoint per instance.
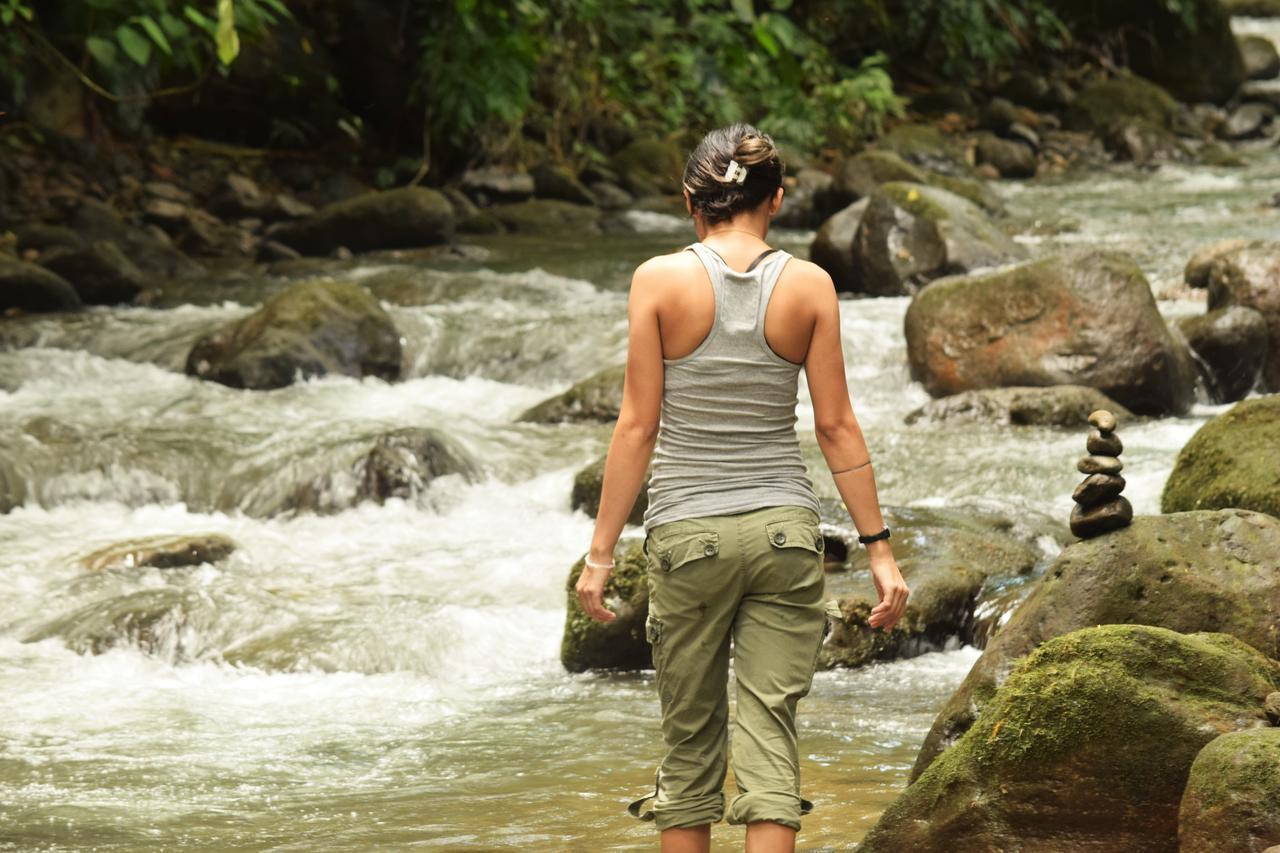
x,y
727,440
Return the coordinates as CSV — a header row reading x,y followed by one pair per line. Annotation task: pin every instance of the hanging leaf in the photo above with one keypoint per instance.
x,y
200,19
174,26
227,38
745,10
157,35
102,51
135,46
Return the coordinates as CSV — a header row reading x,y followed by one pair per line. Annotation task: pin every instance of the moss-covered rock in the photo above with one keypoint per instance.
x,y
1250,276
99,272
861,174
547,216
1085,746
650,166
1053,405
30,288
1194,571
402,218
1231,461
587,484
1082,318
596,398
927,146
1106,103
619,644
311,329
1230,346
1232,797
966,567
913,233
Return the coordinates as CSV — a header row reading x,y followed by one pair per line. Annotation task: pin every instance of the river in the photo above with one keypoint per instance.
x,y
387,676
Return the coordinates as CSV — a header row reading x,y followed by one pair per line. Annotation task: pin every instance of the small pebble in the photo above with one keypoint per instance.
x,y
1103,420
1099,465
1094,521
1097,488
1104,444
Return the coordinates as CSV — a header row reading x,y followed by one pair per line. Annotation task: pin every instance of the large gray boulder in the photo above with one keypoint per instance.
x,y
1085,746
311,329
402,218
1190,571
1083,318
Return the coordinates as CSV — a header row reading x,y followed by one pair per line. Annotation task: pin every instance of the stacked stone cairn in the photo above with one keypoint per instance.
x,y
1099,507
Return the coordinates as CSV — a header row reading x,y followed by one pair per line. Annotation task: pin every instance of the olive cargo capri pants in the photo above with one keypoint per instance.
x,y
755,577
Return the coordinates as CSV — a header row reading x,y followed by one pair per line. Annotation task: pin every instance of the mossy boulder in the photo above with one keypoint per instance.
x,y
1192,571
861,174
1121,99
913,233
547,216
596,398
311,329
587,484
402,218
1085,746
966,567
1230,345
1231,461
93,221
1080,318
1053,405
1250,276
31,288
650,166
99,272
927,146
1232,797
620,644
832,247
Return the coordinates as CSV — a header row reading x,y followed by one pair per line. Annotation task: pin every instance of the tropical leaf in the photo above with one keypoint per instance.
x,y
134,44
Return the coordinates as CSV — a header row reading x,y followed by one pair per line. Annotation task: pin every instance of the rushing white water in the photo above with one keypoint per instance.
x,y
388,675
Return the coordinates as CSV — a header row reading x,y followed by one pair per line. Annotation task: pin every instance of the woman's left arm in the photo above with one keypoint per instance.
x,y
634,436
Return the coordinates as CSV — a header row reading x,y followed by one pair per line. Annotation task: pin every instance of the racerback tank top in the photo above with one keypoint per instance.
x,y
726,439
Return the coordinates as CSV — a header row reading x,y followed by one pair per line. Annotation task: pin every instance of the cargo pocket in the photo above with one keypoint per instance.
x,y
795,534
680,548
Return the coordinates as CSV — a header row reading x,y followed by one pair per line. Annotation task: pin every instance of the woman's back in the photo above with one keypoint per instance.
x,y
727,440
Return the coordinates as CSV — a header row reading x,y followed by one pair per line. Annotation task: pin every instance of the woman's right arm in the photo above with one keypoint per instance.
x,y
841,441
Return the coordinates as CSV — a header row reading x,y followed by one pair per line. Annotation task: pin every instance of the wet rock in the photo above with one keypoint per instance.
x,y
1250,276
832,247
966,568
1121,99
1085,746
99,272
395,219
95,221
547,216
1104,420
1144,142
1097,489
928,147
1247,120
240,196
269,251
649,166
863,173
311,329
1230,346
1054,405
1099,465
1000,113
1012,159
1088,522
912,233
164,621
39,237
616,645
1231,461
161,552
28,287
587,484
1261,60
812,196
1232,797
1082,318
1196,273
1193,571
497,183
1104,443
610,196
551,181
596,398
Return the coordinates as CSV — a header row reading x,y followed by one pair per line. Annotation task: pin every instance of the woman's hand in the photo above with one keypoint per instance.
x,y
590,589
893,592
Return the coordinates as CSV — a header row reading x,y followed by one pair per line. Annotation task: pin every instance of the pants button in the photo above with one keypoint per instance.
x,y
709,550
780,537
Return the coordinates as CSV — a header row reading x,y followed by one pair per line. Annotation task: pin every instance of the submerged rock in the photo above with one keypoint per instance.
x,y
31,288
1085,746
620,644
1232,797
1051,405
1192,571
402,218
1230,346
1231,461
311,329
1083,318
596,398
161,552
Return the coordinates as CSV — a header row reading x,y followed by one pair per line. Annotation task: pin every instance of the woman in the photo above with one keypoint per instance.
x,y
718,334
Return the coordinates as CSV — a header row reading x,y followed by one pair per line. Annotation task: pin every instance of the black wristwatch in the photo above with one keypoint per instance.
x,y
874,537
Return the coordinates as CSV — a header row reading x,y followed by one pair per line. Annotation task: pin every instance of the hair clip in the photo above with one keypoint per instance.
x,y
735,172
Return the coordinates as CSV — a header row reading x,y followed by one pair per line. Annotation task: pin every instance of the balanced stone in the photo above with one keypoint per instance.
x,y
1087,522
1097,488
1104,444
1103,420
1099,465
